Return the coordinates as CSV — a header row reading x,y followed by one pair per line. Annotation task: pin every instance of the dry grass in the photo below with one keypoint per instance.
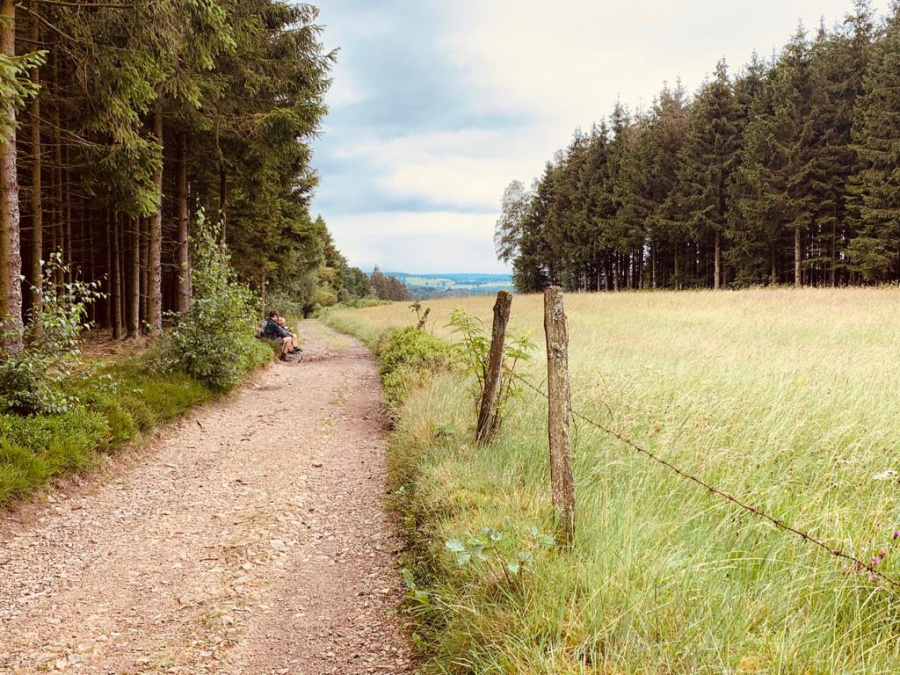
x,y
786,398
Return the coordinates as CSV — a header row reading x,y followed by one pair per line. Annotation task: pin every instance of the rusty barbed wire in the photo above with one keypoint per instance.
x,y
749,508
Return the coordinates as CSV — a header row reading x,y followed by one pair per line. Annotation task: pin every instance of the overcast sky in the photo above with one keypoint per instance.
x,y
437,104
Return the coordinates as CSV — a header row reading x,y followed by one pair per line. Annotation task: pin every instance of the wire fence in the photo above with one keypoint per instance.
x,y
859,564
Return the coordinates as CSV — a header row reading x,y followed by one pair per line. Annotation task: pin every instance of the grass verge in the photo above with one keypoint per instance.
x,y
786,399
120,402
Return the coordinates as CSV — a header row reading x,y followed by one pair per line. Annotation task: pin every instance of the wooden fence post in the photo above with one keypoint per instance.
x,y
562,481
493,376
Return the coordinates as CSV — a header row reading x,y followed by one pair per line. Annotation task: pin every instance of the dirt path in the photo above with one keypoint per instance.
x,y
253,541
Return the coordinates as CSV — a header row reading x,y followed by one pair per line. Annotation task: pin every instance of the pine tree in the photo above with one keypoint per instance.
x,y
875,252
707,160
780,143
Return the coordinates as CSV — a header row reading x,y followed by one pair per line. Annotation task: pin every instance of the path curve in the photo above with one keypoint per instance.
x,y
253,541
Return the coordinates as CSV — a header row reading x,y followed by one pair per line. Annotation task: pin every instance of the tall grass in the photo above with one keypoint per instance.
x,y
787,399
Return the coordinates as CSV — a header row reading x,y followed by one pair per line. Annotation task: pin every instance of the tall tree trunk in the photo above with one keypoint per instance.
x,y
59,209
115,274
92,261
717,267
677,270
10,255
145,269
37,204
774,273
134,315
223,197
798,259
154,299
183,258
115,296
110,289
833,270
120,270
67,216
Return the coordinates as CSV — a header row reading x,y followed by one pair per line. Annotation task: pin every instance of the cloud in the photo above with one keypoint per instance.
x,y
465,169
438,105
425,242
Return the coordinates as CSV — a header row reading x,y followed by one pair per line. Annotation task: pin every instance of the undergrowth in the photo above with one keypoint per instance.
x,y
117,404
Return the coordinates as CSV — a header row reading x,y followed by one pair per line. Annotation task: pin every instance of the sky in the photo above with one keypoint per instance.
x,y
437,105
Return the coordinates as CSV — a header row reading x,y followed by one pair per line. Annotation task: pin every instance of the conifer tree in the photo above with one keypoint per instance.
x,y
875,251
707,161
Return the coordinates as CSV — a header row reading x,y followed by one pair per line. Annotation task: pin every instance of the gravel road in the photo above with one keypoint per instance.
x,y
251,540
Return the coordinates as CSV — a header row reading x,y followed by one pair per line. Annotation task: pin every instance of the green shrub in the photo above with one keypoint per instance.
x,y
33,381
214,341
407,358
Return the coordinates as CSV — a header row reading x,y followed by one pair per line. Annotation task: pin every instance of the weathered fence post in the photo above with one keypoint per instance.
x,y
493,376
562,481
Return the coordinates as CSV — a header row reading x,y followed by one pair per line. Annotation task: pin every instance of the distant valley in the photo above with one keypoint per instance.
x,y
425,286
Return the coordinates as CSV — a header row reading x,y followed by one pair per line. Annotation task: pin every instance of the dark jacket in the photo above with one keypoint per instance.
x,y
273,330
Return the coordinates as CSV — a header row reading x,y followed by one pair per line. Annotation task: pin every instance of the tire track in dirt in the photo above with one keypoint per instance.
x,y
253,541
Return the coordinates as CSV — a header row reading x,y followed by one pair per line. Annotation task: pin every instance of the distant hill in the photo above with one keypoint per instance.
x,y
425,286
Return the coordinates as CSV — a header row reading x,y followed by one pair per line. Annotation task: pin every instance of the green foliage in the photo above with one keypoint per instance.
x,y
473,349
784,173
506,556
406,358
875,253
214,341
16,86
117,402
33,381
388,287
34,450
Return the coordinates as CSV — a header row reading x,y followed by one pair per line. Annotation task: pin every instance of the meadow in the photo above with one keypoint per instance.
x,y
786,398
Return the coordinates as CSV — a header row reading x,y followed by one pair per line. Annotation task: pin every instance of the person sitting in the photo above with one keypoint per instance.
x,y
273,331
281,322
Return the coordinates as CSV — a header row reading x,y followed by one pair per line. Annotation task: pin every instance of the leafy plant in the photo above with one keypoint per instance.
x,y
506,556
406,356
214,340
474,348
33,381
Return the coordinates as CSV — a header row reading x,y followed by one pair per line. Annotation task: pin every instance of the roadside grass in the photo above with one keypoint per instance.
x,y
121,400
787,399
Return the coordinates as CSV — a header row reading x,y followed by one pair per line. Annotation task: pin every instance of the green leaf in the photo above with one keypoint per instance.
x,y
455,545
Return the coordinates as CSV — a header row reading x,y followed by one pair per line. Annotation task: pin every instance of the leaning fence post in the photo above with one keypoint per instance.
x,y
487,414
562,481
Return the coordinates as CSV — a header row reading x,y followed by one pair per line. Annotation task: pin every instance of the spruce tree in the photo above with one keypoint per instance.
x,y
707,161
875,251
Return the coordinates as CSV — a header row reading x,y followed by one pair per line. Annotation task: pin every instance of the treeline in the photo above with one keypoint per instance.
x,y
123,121
388,287
788,173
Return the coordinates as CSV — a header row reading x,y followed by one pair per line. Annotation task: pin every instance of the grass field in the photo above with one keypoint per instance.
x,y
788,399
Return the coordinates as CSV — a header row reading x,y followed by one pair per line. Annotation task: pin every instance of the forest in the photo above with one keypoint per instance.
x,y
128,122
786,173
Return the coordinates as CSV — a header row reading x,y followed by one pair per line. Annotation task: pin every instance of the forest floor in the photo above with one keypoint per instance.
x,y
251,539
